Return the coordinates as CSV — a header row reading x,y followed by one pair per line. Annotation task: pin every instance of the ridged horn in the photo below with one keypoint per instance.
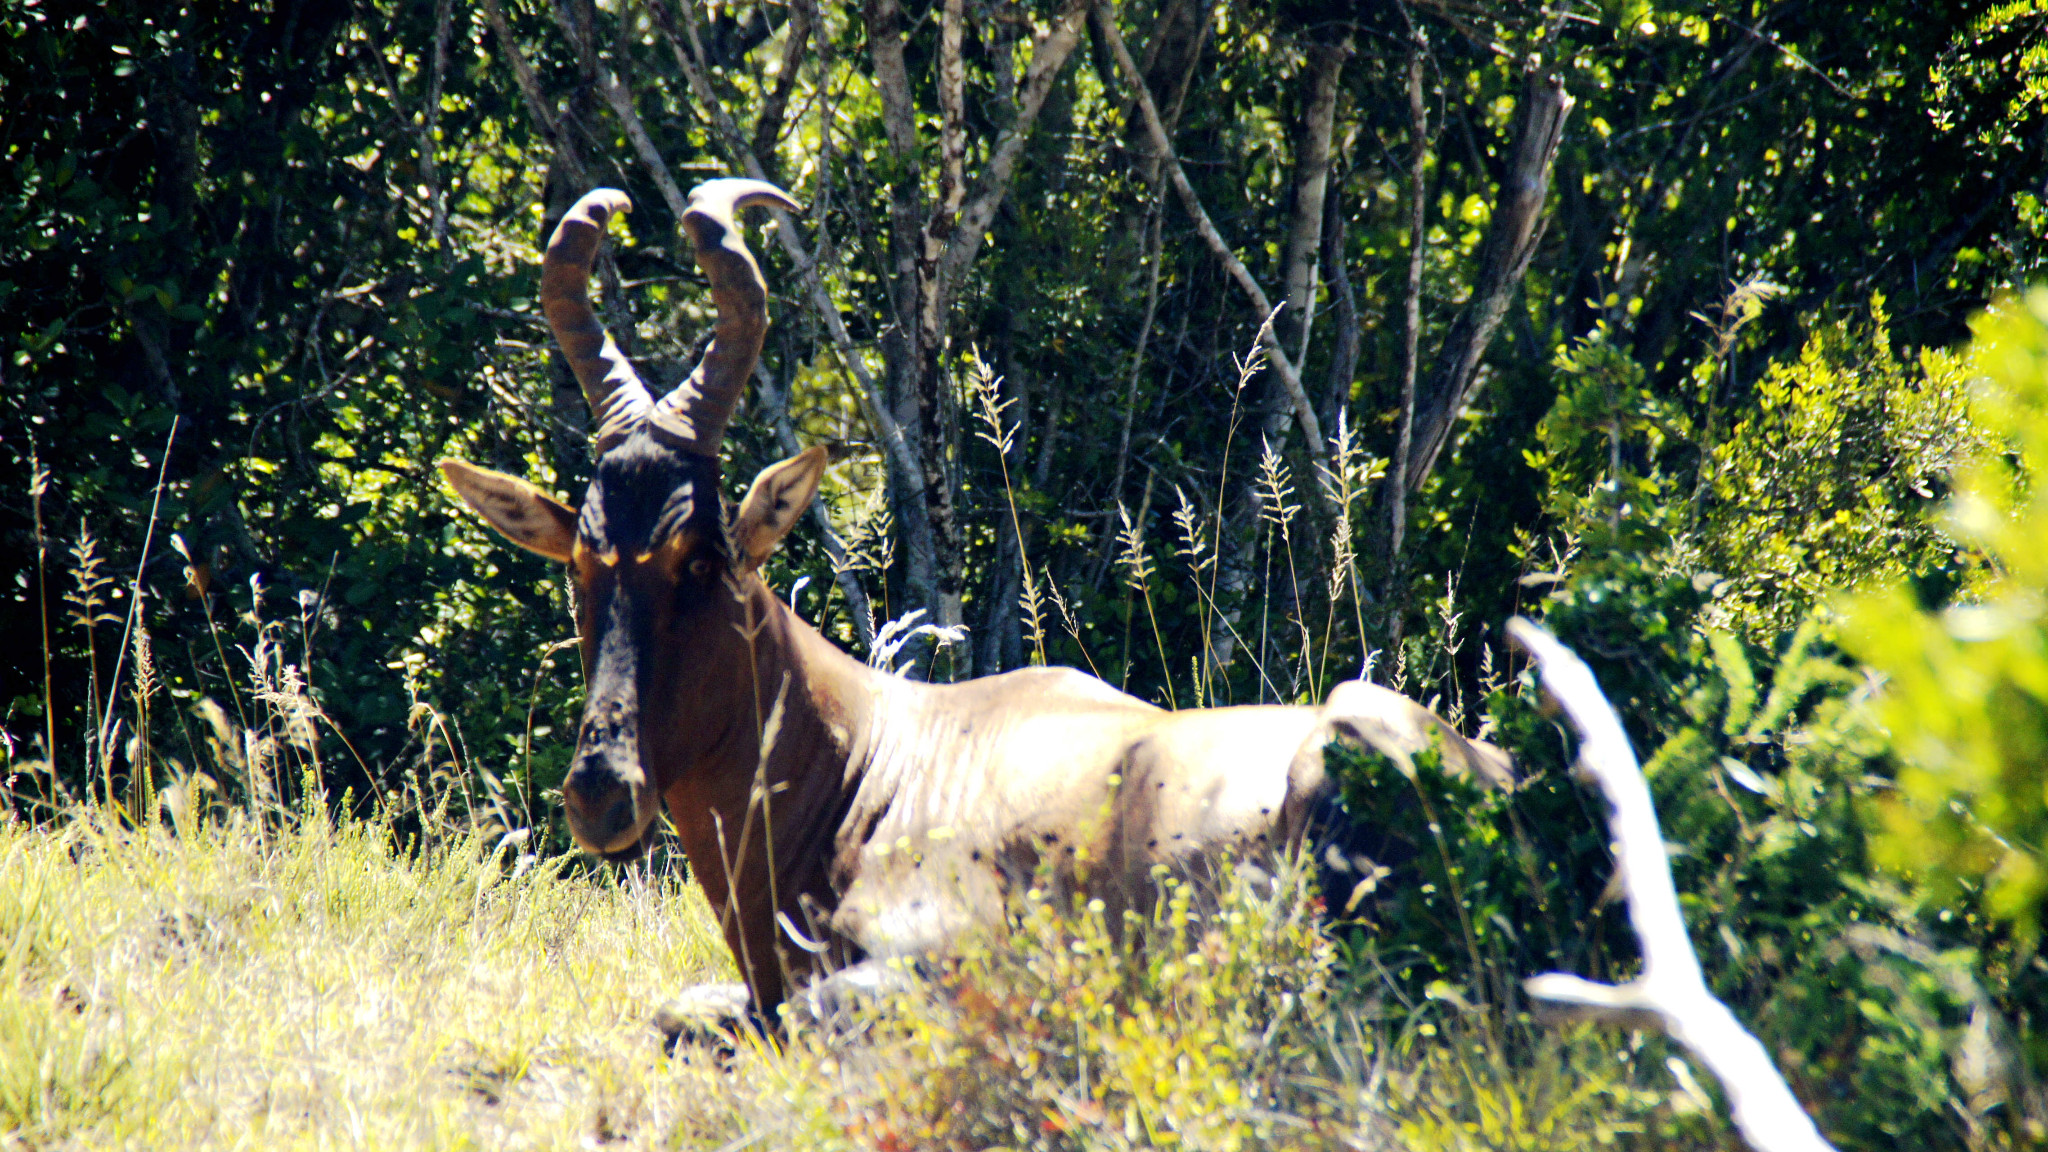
x,y
618,399
694,416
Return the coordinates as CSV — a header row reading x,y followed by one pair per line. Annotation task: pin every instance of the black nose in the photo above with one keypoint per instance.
x,y
600,805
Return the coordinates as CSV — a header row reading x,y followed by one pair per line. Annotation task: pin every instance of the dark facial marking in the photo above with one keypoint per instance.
x,y
643,493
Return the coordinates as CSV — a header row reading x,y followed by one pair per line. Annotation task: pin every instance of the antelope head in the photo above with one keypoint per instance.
x,y
655,559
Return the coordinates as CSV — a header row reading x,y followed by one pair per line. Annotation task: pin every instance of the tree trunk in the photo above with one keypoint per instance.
x,y
930,250
1311,180
1344,303
1511,239
1275,408
1411,342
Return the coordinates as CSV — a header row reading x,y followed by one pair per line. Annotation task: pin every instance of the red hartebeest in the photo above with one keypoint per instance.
x,y
879,814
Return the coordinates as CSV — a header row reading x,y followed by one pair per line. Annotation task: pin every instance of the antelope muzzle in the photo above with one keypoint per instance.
x,y
610,806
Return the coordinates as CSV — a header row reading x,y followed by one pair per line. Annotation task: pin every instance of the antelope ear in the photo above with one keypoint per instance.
x,y
526,515
779,495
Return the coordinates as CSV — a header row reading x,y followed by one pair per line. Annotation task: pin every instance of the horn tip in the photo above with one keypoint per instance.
x,y
610,199
595,208
720,198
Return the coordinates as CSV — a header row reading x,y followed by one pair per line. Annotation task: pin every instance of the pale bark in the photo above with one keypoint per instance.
x,y
621,101
1048,57
1672,991
1311,182
931,248
1411,325
933,560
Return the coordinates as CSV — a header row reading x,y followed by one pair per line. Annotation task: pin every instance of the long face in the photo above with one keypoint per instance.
x,y
650,560
664,653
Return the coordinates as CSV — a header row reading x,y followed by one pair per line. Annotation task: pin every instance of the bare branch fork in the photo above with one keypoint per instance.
x,y
1672,992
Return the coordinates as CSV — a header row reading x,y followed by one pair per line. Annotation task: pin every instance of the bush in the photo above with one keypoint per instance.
x,y
1051,1032
1966,697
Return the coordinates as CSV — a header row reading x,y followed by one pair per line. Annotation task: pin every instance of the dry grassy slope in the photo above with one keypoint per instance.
x,y
308,988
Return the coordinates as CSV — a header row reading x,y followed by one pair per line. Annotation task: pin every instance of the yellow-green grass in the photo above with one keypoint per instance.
x,y
320,982
311,986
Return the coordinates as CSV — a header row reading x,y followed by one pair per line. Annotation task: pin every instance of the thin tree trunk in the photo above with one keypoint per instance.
x,y
1311,181
1152,260
1276,353
1504,255
1300,265
1344,301
930,251
930,555
430,128
1411,317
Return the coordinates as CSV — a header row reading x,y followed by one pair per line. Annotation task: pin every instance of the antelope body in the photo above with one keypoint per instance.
x,y
832,811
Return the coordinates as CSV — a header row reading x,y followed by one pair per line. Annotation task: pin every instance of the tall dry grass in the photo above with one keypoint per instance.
x,y
319,985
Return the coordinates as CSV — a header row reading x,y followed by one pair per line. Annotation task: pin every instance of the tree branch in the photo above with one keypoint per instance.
x,y
1311,183
430,168
895,445
536,104
1304,410
1048,56
621,101
1504,257
803,17
1672,991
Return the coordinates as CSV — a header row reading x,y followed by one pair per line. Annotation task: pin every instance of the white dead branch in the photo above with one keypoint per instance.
x,y
1671,992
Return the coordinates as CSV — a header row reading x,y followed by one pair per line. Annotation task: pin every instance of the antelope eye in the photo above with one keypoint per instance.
x,y
700,568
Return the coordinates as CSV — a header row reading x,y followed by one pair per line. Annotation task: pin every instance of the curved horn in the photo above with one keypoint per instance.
x,y
618,400
694,416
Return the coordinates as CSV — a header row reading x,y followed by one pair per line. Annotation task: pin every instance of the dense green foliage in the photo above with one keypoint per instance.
x,y
307,232
265,264
1968,683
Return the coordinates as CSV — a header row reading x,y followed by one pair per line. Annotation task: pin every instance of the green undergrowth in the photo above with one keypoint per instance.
x,y
1236,1025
